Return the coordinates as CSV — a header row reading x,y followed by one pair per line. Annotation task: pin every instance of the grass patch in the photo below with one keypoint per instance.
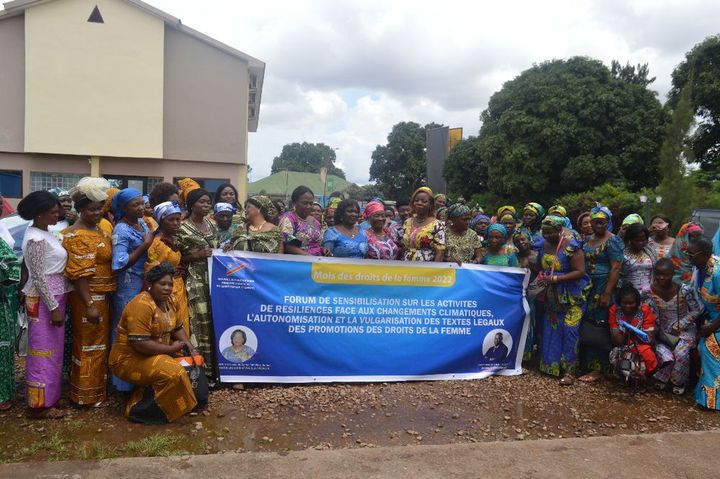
x,y
97,450
154,446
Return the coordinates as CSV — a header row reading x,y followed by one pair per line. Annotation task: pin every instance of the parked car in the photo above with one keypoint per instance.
x,y
16,226
709,219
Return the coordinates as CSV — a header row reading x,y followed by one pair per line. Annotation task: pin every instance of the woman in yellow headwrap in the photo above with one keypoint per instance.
x,y
424,237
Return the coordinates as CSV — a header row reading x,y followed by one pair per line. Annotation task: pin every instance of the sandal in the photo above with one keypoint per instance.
x,y
678,390
591,377
567,380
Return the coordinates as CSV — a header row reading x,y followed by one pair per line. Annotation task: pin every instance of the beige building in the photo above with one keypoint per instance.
x,y
120,89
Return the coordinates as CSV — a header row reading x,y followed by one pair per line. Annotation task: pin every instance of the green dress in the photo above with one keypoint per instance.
x,y
461,246
190,239
264,241
9,279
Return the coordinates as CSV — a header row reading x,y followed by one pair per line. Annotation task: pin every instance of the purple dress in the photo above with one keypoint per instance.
x,y
303,233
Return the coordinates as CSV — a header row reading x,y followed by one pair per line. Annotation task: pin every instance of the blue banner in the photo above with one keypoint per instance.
x,y
293,319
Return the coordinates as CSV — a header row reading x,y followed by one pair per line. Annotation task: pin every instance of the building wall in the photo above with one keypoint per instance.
x,y
93,88
12,83
206,102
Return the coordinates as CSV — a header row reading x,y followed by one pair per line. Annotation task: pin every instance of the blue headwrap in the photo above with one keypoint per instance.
x,y
220,207
499,228
57,192
121,199
146,199
476,220
163,210
601,211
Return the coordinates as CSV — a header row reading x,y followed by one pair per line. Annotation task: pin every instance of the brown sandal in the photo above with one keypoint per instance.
x,y
591,377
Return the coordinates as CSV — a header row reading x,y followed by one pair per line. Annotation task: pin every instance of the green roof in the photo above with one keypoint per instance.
x,y
284,182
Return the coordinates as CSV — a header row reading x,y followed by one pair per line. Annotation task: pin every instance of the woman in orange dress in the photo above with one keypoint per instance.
x,y
89,269
148,335
163,249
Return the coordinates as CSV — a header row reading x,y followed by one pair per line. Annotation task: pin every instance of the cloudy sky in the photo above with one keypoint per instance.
x,y
343,72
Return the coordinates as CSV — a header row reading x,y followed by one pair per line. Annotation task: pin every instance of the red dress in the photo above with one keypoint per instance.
x,y
644,319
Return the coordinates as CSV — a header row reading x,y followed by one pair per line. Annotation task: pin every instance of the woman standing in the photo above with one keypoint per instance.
x,y
226,193
107,223
227,237
196,239
584,225
300,230
563,266
9,279
164,250
381,244
262,234
661,242
130,241
688,233
424,235
479,225
149,333
638,261
677,309
89,267
67,215
346,239
533,214
603,262
463,244
45,296
496,252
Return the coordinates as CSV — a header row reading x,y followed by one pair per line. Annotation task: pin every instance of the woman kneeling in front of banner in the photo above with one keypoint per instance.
x,y
150,333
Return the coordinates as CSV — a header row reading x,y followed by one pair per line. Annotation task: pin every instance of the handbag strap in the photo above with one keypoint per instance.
x,y
557,250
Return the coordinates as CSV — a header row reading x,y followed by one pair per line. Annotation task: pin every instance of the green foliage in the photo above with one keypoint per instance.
x,y
400,166
362,193
566,126
306,157
701,68
464,171
620,201
676,187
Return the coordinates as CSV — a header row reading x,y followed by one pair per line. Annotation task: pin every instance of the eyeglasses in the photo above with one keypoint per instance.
x,y
692,255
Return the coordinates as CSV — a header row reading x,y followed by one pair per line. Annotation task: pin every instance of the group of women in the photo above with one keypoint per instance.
x,y
128,275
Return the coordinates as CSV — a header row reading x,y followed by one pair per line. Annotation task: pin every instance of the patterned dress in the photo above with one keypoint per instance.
x,y
160,378
264,241
190,239
385,248
462,246
597,265
661,251
9,279
303,233
645,320
421,242
564,307
342,246
160,252
637,269
90,257
680,311
706,283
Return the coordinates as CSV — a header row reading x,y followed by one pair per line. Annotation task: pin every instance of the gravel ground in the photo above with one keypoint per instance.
x,y
283,417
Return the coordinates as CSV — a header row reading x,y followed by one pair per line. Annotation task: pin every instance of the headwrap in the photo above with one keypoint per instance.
x,y
163,210
438,196
557,210
88,190
600,211
121,199
267,207
442,209
159,272
557,222
632,219
186,186
57,192
694,228
220,207
378,199
111,192
678,253
457,210
193,198
474,222
536,208
372,208
500,210
512,218
499,228
427,191
334,202
146,200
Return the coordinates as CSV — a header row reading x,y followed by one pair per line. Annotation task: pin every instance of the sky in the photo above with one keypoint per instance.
x,y
344,72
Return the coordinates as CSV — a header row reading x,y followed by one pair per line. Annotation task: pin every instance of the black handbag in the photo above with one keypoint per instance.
x,y
195,368
594,333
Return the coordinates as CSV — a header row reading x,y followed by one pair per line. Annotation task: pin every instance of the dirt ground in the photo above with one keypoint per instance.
x,y
282,418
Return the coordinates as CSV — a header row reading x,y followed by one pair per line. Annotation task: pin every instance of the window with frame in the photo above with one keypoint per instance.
x,y
11,183
40,180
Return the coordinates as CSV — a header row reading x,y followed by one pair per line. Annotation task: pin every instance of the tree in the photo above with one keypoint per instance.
x,y
620,201
307,157
362,193
400,166
701,67
676,187
465,172
570,125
